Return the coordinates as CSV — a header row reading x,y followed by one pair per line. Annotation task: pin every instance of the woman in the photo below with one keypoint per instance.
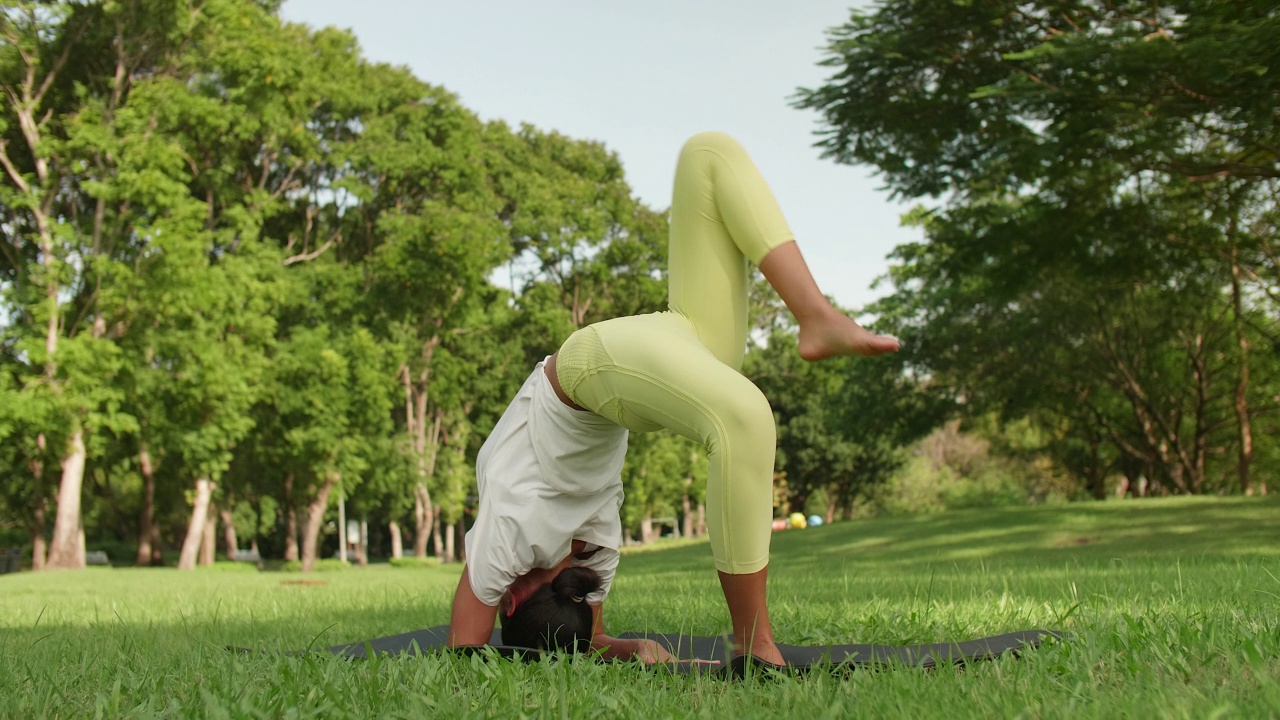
x,y
550,473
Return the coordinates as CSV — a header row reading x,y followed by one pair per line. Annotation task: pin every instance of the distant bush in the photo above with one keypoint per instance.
x,y
322,565
951,470
228,566
414,562
993,486
921,488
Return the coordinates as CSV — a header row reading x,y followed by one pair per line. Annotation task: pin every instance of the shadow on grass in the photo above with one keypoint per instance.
x,y
1229,529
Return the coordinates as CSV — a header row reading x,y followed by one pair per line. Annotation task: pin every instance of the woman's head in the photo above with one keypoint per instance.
x,y
552,616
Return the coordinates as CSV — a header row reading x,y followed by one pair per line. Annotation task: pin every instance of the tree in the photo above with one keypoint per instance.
x,y
428,232
334,394
206,211
578,232
1079,145
68,72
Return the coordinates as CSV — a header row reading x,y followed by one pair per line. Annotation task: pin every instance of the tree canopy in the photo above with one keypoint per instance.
x,y
247,275
1100,250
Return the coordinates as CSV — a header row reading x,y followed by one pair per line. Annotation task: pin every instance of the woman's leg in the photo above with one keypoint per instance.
x,y
652,371
679,370
723,215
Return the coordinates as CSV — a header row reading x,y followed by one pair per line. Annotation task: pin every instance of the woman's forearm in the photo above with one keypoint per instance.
x,y
471,622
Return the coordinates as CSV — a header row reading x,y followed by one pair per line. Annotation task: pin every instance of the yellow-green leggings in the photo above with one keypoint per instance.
x,y
680,369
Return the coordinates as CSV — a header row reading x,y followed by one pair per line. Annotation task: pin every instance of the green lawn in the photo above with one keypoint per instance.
x,y
1173,607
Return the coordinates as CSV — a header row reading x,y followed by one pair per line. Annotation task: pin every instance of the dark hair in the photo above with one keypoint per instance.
x,y
556,616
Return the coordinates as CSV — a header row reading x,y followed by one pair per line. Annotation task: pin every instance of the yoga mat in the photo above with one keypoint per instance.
x,y
717,649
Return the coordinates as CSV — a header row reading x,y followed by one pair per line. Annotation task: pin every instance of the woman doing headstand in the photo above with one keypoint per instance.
x,y
550,473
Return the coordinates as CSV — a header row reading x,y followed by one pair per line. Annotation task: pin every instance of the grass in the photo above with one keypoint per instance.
x,y
1173,607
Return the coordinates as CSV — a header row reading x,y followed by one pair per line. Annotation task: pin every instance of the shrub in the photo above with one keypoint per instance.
x,y
414,562
321,565
228,566
993,486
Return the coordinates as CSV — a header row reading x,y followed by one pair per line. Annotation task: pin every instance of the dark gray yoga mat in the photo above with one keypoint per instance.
x,y
716,649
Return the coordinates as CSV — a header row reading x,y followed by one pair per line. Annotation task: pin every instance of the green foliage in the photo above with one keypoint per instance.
x,y
987,464
1105,256
248,243
972,97
920,487
660,469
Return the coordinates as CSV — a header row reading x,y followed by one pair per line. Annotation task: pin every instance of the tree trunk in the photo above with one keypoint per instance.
x,y
646,529
1198,462
832,502
65,551
1244,428
147,518
1097,479
462,541
38,549
687,525
344,538
315,519
39,506
397,543
209,538
448,543
437,542
363,557
157,554
702,519
229,539
423,520
195,529
290,522
426,442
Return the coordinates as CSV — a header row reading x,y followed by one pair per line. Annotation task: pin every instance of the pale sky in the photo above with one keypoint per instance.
x,y
641,77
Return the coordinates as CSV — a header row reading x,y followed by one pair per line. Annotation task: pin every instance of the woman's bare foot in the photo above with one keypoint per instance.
x,y
768,652
834,334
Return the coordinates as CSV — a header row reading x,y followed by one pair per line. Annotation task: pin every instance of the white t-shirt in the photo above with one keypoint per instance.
x,y
547,475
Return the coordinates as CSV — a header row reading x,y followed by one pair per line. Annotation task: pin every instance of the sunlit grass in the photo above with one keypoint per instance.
x,y
1173,609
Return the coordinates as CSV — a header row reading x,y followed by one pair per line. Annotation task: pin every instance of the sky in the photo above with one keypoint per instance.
x,y
641,77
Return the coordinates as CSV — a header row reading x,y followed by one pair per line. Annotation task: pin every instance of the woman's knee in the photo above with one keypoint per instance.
x,y
747,419
720,143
